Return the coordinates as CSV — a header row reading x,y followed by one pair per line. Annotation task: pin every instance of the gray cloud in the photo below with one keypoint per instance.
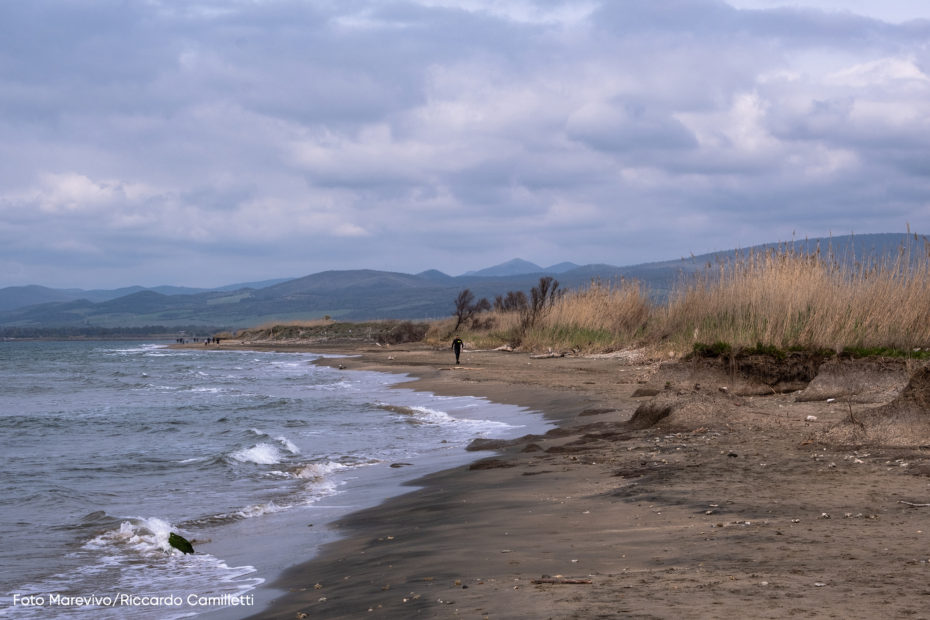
x,y
277,137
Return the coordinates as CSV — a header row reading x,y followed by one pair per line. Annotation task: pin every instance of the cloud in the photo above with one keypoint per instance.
x,y
276,137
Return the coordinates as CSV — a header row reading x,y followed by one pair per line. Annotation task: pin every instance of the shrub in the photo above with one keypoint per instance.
x,y
405,331
466,308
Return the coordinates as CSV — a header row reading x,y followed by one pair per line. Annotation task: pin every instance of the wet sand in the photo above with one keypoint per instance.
x,y
729,506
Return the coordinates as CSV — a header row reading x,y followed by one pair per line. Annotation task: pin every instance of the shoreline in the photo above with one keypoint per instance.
x,y
431,371
729,502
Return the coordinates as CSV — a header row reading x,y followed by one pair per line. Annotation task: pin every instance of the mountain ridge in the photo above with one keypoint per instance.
x,y
361,293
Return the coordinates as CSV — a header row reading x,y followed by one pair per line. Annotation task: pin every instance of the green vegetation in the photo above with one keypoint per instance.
x,y
859,352
717,349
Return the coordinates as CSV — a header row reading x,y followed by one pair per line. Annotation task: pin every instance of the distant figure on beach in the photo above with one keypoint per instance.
x,y
457,347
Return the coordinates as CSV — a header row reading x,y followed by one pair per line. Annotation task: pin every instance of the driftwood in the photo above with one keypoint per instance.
x,y
562,581
901,501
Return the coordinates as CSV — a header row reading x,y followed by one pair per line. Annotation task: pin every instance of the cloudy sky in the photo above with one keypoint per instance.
x,y
205,142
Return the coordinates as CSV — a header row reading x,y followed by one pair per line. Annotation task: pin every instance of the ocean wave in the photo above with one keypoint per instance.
x,y
144,536
316,471
260,454
249,512
419,414
269,404
92,521
266,452
46,422
162,388
318,483
288,444
330,387
144,348
136,557
257,510
196,459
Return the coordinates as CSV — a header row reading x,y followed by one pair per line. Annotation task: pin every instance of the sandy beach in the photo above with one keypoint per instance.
x,y
673,489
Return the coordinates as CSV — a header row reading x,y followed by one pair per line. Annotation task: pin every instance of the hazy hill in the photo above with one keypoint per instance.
x,y
13,297
518,266
364,293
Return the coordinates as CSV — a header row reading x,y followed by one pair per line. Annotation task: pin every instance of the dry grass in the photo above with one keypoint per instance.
x,y
780,298
600,317
788,299
298,324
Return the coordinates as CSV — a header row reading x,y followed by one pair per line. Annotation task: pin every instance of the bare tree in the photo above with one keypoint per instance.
x,y
542,296
466,308
513,302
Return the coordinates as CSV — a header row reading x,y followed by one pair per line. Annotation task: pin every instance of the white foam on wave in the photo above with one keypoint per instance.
x,y
330,387
137,558
432,416
196,459
164,388
257,510
427,415
287,365
260,454
317,471
319,484
283,441
144,536
143,348
288,444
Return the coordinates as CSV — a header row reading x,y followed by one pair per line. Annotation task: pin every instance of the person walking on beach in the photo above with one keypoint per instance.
x,y
457,348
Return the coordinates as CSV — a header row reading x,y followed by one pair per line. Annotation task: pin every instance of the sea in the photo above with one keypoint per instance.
x,y
107,448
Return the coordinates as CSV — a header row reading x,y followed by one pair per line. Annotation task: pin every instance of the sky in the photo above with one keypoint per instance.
x,y
207,142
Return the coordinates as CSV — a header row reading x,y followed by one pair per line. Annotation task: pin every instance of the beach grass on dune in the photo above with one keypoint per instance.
x,y
791,300
779,299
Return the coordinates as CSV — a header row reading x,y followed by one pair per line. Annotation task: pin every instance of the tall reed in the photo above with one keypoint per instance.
x,y
786,298
599,317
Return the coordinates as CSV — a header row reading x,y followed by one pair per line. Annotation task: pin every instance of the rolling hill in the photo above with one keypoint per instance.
x,y
357,294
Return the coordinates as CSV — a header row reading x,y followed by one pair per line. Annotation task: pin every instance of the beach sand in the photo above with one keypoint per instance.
x,y
718,499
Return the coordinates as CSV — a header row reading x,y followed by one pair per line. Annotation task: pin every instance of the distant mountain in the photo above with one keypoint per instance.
x,y
435,275
367,294
519,267
13,297
514,267
561,268
242,285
